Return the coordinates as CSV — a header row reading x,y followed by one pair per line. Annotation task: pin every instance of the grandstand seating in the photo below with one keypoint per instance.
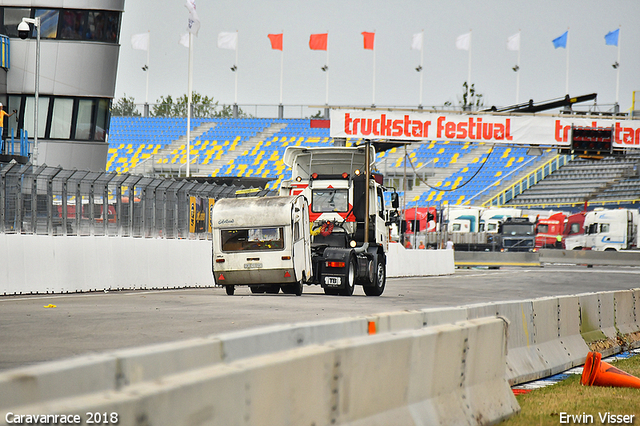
x,y
605,180
465,173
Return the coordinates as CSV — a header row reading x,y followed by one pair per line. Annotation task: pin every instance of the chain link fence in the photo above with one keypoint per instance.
x,y
53,201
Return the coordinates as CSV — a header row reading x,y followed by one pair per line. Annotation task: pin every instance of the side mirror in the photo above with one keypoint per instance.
x,y
394,200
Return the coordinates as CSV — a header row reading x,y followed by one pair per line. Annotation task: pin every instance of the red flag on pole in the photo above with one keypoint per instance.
x,y
276,41
368,40
318,41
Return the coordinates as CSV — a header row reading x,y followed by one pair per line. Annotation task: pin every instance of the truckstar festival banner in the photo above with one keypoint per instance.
x,y
524,130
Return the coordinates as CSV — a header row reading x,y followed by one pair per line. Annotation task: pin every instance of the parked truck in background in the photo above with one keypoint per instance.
x,y
574,238
463,218
608,230
550,231
518,234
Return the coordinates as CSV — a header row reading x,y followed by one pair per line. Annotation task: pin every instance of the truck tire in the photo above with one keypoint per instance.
x,y
257,289
380,280
351,279
230,289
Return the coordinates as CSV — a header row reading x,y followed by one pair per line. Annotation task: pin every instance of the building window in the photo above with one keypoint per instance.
x,y
65,24
48,23
61,118
12,16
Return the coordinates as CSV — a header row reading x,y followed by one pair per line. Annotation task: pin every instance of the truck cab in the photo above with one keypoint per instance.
x,y
344,252
518,234
609,230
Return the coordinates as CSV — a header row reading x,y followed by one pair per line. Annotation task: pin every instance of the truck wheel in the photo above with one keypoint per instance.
x,y
351,279
230,289
298,287
380,280
257,289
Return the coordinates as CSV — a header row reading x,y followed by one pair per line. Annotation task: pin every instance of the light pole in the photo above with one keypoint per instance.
x,y
23,33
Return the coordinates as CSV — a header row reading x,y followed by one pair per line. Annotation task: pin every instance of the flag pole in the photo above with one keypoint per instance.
x,y
281,68
189,90
326,98
469,73
236,73
618,70
518,67
567,78
373,99
146,95
421,68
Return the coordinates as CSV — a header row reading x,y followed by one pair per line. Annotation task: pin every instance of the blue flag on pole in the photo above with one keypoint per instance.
x,y
611,38
561,41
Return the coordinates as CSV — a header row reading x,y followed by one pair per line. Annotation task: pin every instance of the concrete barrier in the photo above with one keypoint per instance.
x,y
42,264
590,257
46,264
545,336
412,263
410,377
495,259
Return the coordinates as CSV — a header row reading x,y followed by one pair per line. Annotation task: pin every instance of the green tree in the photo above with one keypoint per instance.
x,y
201,106
125,107
470,99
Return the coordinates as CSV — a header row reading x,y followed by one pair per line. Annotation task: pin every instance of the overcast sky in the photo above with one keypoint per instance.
x,y
542,67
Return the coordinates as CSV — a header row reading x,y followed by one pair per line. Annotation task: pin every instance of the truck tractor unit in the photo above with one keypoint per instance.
x,y
349,223
518,234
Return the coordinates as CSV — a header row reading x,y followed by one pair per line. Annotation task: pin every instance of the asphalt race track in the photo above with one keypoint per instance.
x,y
96,322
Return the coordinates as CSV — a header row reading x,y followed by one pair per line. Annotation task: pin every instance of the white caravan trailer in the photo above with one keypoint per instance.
x,y
262,242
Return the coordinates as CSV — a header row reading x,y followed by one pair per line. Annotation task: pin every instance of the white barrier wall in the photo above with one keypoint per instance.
x,y
408,377
414,263
46,264
448,363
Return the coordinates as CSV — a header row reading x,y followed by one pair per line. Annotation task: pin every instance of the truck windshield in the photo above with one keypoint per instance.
x,y
517,229
255,239
330,200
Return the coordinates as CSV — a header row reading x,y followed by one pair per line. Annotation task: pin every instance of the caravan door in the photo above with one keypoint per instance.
x,y
301,240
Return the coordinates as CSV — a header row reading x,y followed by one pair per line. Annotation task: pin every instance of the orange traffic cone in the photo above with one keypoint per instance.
x,y
599,373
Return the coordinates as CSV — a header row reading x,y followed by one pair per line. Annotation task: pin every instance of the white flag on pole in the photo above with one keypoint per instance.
x,y
184,40
513,42
416,41
140,41
228,40
463,42
193,25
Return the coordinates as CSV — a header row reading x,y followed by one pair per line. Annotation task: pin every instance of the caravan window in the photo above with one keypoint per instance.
x,y
255,239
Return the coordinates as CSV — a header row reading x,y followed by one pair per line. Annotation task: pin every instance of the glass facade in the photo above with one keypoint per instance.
x,y
65,24
60,117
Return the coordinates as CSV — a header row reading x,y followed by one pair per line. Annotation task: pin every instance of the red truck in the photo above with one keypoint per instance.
x,y
548,230
558,224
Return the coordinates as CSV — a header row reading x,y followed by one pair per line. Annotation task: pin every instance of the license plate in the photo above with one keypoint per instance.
x,y
332,280
252,265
